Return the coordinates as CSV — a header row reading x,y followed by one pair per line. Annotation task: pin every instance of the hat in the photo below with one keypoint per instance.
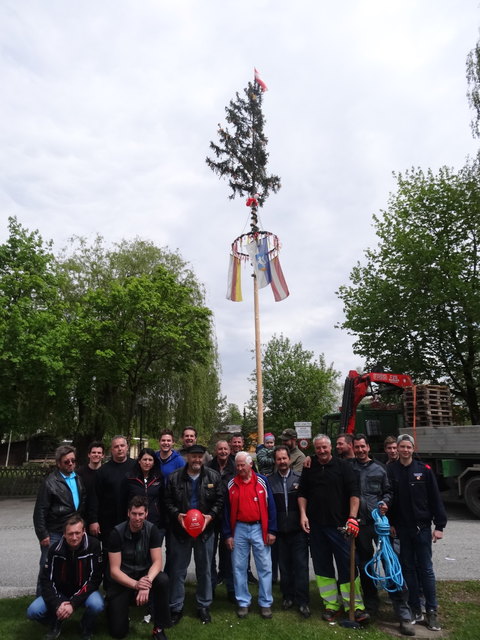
x,y
195,448
405,436
269,436
288,434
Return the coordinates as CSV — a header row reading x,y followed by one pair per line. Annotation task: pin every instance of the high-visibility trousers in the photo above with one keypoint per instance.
x,y
345,595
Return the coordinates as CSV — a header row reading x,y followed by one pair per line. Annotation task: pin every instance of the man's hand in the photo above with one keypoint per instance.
x,y
144,583
45,542
180,518
382,508
437,535
64,611
352,527
393,532
229,543
94,529
307,463
305,524
142,597
208,519
271,539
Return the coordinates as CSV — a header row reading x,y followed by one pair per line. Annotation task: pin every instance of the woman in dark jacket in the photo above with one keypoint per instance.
x,y
146,480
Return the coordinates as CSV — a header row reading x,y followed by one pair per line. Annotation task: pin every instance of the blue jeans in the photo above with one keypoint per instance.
x,y
246,537
54,539
94,605
416,552
180,555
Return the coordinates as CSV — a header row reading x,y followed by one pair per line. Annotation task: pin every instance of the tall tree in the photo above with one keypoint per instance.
x,y
297,385
136,325
414,305
473,93
32,330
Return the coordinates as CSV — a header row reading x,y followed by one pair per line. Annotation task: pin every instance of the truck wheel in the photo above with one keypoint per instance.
x,y
472,495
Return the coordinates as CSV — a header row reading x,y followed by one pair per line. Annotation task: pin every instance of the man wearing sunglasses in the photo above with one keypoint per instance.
x,y
61,494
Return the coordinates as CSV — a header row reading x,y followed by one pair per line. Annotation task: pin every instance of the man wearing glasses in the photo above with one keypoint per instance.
x,y
61,494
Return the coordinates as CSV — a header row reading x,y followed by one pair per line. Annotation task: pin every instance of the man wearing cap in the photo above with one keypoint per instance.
x,y
194,486
416,504
266,455
297,458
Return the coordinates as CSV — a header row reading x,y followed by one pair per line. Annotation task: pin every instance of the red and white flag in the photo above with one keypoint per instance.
x,y
278,283
259,80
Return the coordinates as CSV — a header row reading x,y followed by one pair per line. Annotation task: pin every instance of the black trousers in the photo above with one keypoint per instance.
x,y
119,598
365,551
293,563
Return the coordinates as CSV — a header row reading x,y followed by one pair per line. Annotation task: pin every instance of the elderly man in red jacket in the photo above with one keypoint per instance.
x,y
250,523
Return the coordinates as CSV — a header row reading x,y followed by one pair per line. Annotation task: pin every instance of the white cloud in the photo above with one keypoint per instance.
x,y
108,109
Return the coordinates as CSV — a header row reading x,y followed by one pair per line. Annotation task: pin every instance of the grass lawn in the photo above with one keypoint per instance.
x,y
459,614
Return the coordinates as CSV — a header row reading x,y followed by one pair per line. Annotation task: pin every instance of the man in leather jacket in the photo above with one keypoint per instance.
x,y
194,486
61,494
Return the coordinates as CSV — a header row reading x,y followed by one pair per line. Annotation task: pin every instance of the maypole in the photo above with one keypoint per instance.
x,y
241,157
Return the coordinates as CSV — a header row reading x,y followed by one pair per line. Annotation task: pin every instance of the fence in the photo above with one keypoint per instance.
x,y
21,481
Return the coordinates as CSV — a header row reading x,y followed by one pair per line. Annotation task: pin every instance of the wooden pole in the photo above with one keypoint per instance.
x,y
258,363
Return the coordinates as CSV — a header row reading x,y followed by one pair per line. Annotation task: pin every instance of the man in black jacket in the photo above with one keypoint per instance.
x,y
194,486
61,494
292,541
70,578
416,503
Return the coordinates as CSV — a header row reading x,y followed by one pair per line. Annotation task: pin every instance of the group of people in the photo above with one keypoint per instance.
x,y
109,521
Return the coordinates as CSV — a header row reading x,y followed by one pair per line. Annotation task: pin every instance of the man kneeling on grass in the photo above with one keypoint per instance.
x,y
70,578
135,558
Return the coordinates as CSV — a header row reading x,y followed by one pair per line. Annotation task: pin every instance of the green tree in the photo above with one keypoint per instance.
x,y
241,154
139,335
32,331
297,386
473,93
414,305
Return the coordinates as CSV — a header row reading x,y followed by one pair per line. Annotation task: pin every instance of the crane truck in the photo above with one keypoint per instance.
x,y
453,451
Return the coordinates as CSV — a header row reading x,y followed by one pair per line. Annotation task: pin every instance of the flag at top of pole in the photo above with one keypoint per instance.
x,y
259,80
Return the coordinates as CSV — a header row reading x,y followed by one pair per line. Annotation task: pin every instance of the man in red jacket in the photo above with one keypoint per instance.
x,y
250,522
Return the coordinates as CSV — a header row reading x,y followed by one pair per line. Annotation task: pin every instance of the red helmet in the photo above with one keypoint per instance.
x,y
193,522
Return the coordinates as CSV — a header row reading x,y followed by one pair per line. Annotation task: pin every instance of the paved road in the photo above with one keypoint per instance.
x,y
456,557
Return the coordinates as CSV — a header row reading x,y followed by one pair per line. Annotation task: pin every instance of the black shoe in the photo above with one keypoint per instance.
x,y
176,616
204,614
304,610
251,578
287,604
231,597
158,634
407,628
54,631
361,616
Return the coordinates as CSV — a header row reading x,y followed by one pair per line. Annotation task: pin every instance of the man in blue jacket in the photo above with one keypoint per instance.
x,y
416,504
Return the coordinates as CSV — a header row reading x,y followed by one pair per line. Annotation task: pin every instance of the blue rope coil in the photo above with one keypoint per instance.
x,y
384,568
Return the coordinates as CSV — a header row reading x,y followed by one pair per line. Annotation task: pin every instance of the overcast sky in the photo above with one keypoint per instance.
x,y
108,108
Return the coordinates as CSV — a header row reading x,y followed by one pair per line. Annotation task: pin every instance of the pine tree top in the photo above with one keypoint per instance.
x,y
241,155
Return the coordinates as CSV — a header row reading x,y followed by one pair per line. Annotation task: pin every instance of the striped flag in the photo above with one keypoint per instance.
x,y
258,253
234,285
259,80
279,285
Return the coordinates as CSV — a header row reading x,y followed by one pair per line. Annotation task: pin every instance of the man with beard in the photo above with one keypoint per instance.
x,y
194,486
